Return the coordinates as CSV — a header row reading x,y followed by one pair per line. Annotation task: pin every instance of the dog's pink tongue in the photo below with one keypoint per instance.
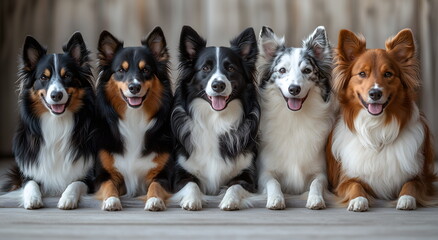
x,y
134,101
58,108
294,104
375,108
218,103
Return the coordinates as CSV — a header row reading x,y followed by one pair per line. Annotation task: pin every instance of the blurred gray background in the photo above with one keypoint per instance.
x,y
52,22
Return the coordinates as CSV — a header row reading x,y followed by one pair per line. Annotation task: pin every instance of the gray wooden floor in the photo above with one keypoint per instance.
x,y
89,222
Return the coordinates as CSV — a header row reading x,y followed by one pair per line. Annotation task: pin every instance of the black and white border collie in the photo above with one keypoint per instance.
x,y
53,145
297,116
134,100
215,120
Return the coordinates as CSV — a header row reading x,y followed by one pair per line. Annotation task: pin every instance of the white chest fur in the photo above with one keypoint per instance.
x,y
206,162
380,154
132,165
56,169
292,143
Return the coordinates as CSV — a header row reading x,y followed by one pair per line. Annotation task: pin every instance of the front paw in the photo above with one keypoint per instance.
x,y
112,204
315,202
191,204
406,202
359,204
276,203
154,204
67,203
33,203
229,204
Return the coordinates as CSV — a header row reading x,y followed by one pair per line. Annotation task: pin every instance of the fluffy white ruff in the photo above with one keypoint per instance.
x,y
205,162
292,149
378,154
131,164
56,169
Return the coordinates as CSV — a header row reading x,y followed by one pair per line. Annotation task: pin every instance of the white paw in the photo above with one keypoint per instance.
x,y
315,202
406,202
154,204
276,203
359,204
229,203
33,203
67,203
112,204
191,204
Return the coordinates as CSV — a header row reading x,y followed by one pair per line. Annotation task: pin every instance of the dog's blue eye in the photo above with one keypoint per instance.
x,y
282,70
388,74
362,74
307,70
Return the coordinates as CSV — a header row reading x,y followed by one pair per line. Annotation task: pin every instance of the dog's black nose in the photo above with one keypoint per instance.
x,y
56,96
134,88
294,89
218,86
375,94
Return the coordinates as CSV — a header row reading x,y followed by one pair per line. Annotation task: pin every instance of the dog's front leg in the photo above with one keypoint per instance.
x,y
72,194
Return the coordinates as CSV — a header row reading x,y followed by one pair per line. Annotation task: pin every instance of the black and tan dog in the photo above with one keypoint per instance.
x,y
134,100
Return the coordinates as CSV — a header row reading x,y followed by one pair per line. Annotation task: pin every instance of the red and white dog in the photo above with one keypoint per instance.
x,y
381,145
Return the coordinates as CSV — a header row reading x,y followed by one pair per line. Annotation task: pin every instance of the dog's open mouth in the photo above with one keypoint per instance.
x,y
295,104
374,108
218,103
56,108
134,102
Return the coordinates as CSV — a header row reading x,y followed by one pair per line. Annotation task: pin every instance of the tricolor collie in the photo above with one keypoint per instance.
x,y
215,120
53,145
380,146
134,101
297,117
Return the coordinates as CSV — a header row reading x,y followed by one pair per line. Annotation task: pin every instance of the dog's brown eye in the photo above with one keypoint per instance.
x,y
44,78
206,68
230,69
282,70
145,70
387,74
121,70
307,70
362,74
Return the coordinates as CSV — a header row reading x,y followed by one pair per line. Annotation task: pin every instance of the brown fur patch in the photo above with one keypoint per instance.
x,y
152,103
62,72
112,93
125,65
47,73
115,186
141,65
333,166
76,96
161,160
38,106
351,188
156,190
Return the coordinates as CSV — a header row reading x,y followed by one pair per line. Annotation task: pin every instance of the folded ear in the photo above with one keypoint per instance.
x,y
190,44
76,49
317,43
269,43
402,46
156,42
350,45
245,44
32,53
108,45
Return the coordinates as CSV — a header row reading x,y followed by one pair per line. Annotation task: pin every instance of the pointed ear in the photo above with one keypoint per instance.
x,y
245,44
32,53
190,44
402,46
269,43
108,45
317,43
156,42
350,45
76,49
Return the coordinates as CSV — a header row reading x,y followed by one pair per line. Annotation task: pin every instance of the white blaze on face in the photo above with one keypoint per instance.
x,y
55,86
218,99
